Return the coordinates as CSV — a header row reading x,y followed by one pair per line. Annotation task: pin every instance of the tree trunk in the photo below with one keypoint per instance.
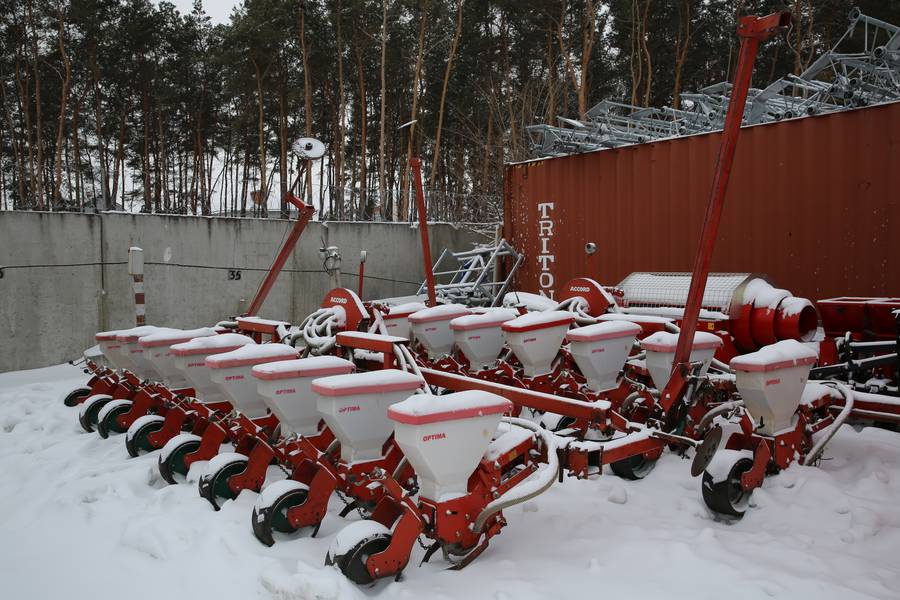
x,y
263,192
38,192
363,181
440,123
98,130
682,43
118,166
404,192
63,101
16,144
145,158
282,147
76,150
307,93
637,62
588,35
245,181
648,82
338,193
381,186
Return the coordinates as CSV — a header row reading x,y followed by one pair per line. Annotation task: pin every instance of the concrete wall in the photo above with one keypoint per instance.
x,y
66,275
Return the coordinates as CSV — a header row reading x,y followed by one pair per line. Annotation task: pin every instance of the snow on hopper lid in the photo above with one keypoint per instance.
x,y
404,310
493,318
176,336
633,318
251,354
314,366
663,341
261,321
442,312
348,336
106,336
606,330
426,408
539,320
780,355
371,382
132,335
214,344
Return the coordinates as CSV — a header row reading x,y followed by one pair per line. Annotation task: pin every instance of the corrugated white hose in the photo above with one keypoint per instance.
x,y
317,331
292,340
849,399
576,306
528,489
408,360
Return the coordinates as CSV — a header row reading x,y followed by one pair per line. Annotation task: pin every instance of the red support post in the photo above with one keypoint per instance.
x,y
305,214
362,271
416,165
752,30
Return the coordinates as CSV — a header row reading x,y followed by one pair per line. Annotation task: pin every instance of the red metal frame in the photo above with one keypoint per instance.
x,y
416,165
305,214
752,30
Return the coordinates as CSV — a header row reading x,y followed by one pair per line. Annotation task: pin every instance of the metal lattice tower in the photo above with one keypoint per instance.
x,y
836,81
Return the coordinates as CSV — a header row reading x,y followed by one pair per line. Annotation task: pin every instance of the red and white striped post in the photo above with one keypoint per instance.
x,y
136,270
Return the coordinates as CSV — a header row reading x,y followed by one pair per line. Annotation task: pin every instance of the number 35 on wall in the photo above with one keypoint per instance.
x,y
234,274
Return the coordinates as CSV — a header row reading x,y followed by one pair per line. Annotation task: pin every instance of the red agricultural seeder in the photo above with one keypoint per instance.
x,y
430,440
461,496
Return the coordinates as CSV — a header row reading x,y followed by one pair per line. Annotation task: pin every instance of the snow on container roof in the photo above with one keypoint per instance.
x,y
663,341
493,318
132,335
780,355
176,336
386,380
442,312
251,354
106,336
427,408
214,344
314,366
539,320
607,330
404,310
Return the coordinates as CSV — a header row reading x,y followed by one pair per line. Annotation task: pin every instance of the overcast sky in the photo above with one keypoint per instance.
x,y
218,10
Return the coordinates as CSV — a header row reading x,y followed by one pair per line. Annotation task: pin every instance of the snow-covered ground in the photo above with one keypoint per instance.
x,y
80,520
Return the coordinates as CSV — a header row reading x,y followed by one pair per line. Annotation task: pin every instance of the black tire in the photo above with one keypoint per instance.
x,y
353,564
88,417
633,468
138,442
108,424
214,486
76,396
174,462
727,497
274,518
563,422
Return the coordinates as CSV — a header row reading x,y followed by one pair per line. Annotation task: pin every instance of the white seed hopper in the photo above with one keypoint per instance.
x,y
231,371
355,408
286,388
